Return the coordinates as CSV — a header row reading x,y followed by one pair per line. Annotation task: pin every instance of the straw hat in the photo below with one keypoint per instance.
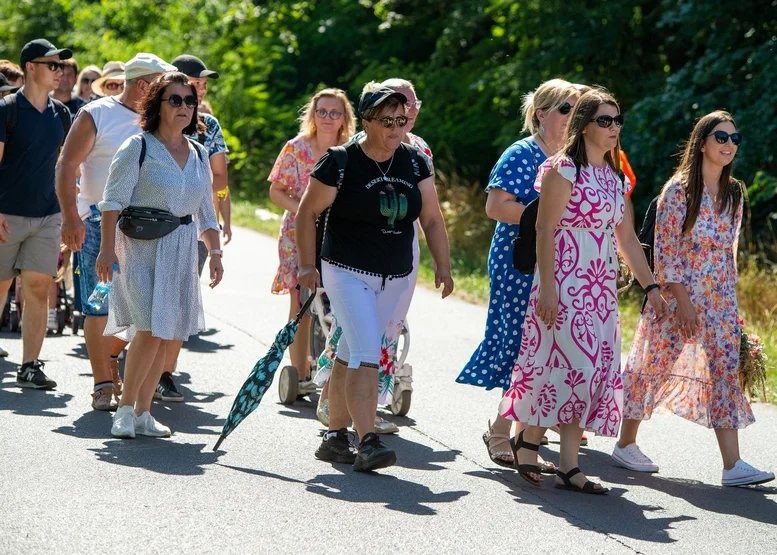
x,y
112,71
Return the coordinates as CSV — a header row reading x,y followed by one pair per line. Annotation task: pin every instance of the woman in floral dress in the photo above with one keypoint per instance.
x,y
326,121
568,367
689,364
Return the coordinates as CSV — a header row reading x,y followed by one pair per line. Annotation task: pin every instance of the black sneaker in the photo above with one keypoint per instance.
x,y
31,375
372,454
166,390
336,449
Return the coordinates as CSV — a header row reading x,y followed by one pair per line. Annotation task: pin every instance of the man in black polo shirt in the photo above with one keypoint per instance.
x,y
30,217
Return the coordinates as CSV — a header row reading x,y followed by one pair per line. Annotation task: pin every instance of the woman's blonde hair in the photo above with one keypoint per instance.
x,y
547,97
307,117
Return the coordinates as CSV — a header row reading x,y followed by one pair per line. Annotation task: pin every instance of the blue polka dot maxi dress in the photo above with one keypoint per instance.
x,y
492,363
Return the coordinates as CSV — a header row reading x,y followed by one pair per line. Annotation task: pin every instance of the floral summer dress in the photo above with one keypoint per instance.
x,y
292,168
492,362
572,370
697,379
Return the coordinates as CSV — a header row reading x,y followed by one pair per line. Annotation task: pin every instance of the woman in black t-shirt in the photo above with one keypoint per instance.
x,y
367,256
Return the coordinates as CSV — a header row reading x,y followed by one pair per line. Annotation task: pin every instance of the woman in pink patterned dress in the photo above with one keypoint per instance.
x,y
690,363
326,121
568,367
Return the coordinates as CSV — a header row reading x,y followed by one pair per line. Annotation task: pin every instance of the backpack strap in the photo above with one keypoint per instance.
x,y
142,151
11,115
341,159
197,146
64,115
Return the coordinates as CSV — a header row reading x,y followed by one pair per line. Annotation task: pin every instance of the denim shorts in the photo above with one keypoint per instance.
x,y
87,260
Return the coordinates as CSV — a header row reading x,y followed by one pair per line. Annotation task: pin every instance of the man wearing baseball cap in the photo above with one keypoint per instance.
x,y
29,212
212,139
100,128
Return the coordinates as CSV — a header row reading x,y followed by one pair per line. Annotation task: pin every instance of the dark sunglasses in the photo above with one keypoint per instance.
x,y
114,86
564,109
607,121
176,101
53,66
397,121
87,80
722,137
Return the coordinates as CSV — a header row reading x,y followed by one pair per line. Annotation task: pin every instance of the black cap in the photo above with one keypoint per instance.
x,y
5,85
193,67
39,48
375,98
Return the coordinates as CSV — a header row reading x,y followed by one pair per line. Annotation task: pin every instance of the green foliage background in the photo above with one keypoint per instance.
x,y
667,61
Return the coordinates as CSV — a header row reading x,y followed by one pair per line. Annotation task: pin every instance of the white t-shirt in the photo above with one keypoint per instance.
x,y
115,124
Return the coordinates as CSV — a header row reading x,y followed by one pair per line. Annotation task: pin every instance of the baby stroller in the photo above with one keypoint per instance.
x,y
320,327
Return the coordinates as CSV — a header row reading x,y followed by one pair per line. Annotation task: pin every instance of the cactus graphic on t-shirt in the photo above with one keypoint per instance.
x,y
393,206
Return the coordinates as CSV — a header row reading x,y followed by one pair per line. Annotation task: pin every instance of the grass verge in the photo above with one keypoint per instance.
x,y
757,289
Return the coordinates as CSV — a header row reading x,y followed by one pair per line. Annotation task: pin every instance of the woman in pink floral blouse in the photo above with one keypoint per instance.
x,y
326,121
689,364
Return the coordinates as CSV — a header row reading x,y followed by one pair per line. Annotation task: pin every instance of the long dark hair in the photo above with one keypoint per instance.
x,y
582,114
151,104
692,180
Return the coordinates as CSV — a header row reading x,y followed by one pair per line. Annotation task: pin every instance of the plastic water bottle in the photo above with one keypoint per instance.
x,y
97,298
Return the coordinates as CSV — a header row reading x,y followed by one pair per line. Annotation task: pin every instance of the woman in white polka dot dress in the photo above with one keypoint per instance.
x,y
156,293
510,188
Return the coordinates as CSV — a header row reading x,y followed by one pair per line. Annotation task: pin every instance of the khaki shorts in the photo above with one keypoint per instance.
x,y
33,245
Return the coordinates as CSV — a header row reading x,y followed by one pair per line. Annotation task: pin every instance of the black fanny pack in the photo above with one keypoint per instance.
x,y
149,223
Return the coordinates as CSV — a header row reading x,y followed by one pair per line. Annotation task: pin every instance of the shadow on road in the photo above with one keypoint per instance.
x,y
198,344
79,352
28,402
389,491
418,456
158,455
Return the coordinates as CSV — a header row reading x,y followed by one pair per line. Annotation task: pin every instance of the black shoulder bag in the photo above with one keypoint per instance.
x,y
146,224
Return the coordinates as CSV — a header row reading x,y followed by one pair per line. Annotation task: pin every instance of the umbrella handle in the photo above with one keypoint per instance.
x,y
305,306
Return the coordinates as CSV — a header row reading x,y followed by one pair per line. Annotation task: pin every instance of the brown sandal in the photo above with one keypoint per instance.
x,y
498,457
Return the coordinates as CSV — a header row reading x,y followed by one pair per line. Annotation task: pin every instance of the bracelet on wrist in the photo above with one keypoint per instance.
x,y
216,251
650,287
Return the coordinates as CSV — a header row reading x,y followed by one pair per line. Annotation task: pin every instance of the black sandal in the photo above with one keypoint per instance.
x,y
588,487
545,467
525,469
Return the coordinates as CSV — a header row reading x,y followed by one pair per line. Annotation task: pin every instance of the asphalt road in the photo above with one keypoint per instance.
x,y
68,487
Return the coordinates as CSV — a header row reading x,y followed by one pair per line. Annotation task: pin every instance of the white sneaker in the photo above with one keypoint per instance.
x,y
745,475
384,426
322,412
3,353
52,321
145,425
124,422
633,458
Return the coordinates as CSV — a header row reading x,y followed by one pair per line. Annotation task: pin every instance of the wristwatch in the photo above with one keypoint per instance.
x,y
216,251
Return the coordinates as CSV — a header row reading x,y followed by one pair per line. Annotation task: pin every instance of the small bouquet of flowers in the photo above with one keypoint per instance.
x,y
752,363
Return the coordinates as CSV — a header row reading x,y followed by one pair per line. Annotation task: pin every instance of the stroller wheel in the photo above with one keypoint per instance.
x,y
288,385
400,404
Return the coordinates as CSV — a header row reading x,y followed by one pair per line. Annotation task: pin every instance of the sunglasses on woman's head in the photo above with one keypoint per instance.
x,y
722,137
334,114
414,105
397,121
607,121
565,108
176,100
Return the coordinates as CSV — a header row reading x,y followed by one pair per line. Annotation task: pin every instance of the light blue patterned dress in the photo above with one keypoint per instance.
x,y
492,363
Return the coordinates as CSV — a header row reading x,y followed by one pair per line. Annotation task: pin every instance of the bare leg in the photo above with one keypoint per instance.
x,y
147,388
4,287
361,395
338,409
98,347
299,350
140,359
117,346
534,435
172,350
36,289
629,429
53,294
728,442
324,392
571,434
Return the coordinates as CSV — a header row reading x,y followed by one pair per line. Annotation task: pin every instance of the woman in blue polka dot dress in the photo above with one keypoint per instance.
x,y
510,188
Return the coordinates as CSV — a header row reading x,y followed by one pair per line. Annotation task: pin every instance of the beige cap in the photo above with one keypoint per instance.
x,y
112,71
146,64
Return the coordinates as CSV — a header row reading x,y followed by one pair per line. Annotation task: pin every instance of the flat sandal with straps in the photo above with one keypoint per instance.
x,y
524,470
588,487
493,442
